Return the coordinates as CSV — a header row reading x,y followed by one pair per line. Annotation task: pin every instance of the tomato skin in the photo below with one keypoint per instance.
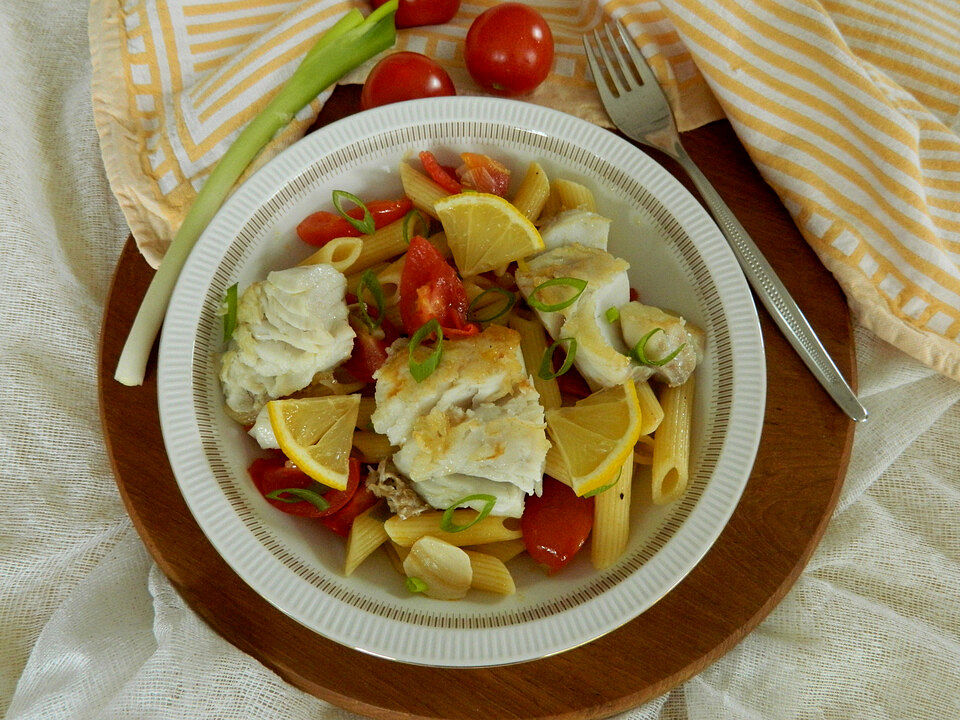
x,y
404,76
556,524
572,383
484,174
321,227
439,174
341,521
369,351
430,288
509,49
414,13
270,474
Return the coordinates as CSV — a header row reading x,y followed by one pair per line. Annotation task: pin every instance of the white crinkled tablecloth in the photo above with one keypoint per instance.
x,y
89,628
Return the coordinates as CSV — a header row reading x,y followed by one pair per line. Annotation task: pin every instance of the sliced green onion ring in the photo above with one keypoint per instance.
x,y
511,300
230,318
299,494
446,522
365,226
416,585
421,370
546,364
369,281
576,283
603,488
612,314
640,356
408,219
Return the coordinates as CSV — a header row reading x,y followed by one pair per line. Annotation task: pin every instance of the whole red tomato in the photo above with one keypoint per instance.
x,y
413,13
556,524
509,49
404,76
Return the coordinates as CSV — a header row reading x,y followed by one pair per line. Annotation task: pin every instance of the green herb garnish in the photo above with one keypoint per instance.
x,y
408,219
369,281
421,370
510,301
612,314
300,494
576,283
416,585
640,356
366,226
546,364
446,522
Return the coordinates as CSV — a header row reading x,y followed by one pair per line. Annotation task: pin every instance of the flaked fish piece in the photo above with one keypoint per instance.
x,y
290,326
669,332
576,226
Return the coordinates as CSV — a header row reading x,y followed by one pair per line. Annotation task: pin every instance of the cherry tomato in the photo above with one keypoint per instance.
x,y
572,382
404,76
509,49
341,521
430,288
484,174
413,13
439,174
322,227
556,524
272,474
369,351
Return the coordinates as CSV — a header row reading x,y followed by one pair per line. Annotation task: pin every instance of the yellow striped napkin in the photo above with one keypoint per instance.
x,y
848,107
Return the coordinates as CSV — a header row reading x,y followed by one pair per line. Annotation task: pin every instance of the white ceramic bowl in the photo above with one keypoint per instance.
x,y
678,260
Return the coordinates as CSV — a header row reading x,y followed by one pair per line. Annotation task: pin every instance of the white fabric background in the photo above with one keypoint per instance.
x,y
90,629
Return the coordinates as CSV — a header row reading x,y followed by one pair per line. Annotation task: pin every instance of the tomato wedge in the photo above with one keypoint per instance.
x,y
556,524
484,174
430,288
322,227
369,351
438,173
272,474
341,521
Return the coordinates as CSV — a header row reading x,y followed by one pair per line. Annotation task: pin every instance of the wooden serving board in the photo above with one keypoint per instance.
x,y
792,491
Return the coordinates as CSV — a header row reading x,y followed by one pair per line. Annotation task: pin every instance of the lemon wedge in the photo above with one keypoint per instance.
x,y
316,433
485,231
596,436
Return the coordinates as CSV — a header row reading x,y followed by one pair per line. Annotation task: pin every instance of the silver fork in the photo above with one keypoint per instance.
x,y
636,104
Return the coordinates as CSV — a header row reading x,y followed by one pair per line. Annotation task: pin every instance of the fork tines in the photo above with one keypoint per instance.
x,y
617,72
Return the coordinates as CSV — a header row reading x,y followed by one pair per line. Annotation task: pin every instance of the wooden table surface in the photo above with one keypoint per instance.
x,y
792,491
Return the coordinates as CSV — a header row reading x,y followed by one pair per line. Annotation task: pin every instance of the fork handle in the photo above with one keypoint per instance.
x,y
775,297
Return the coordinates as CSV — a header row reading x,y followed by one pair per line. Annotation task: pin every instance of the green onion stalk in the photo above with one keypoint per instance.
x,y
349,43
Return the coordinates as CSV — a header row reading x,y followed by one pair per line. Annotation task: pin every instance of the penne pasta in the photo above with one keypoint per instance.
x,y
671,444
490,529
422,191
533,192
574,195
340,252
373,447
353,279
611,520
395,556
367,406
533,343
490,574
556,466
389,279
551,206
651,414
386,243
504,551
366,535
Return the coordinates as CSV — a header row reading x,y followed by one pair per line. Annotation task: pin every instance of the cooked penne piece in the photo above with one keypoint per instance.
x,y
439,241
367,406
366,535
340,252
533,343
671,444
373,447
556,466
611,520
387,242
574,195
395,556
353,279
533,192
490,574
551,207
651,414
490,529
503,551
422,191
389,278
